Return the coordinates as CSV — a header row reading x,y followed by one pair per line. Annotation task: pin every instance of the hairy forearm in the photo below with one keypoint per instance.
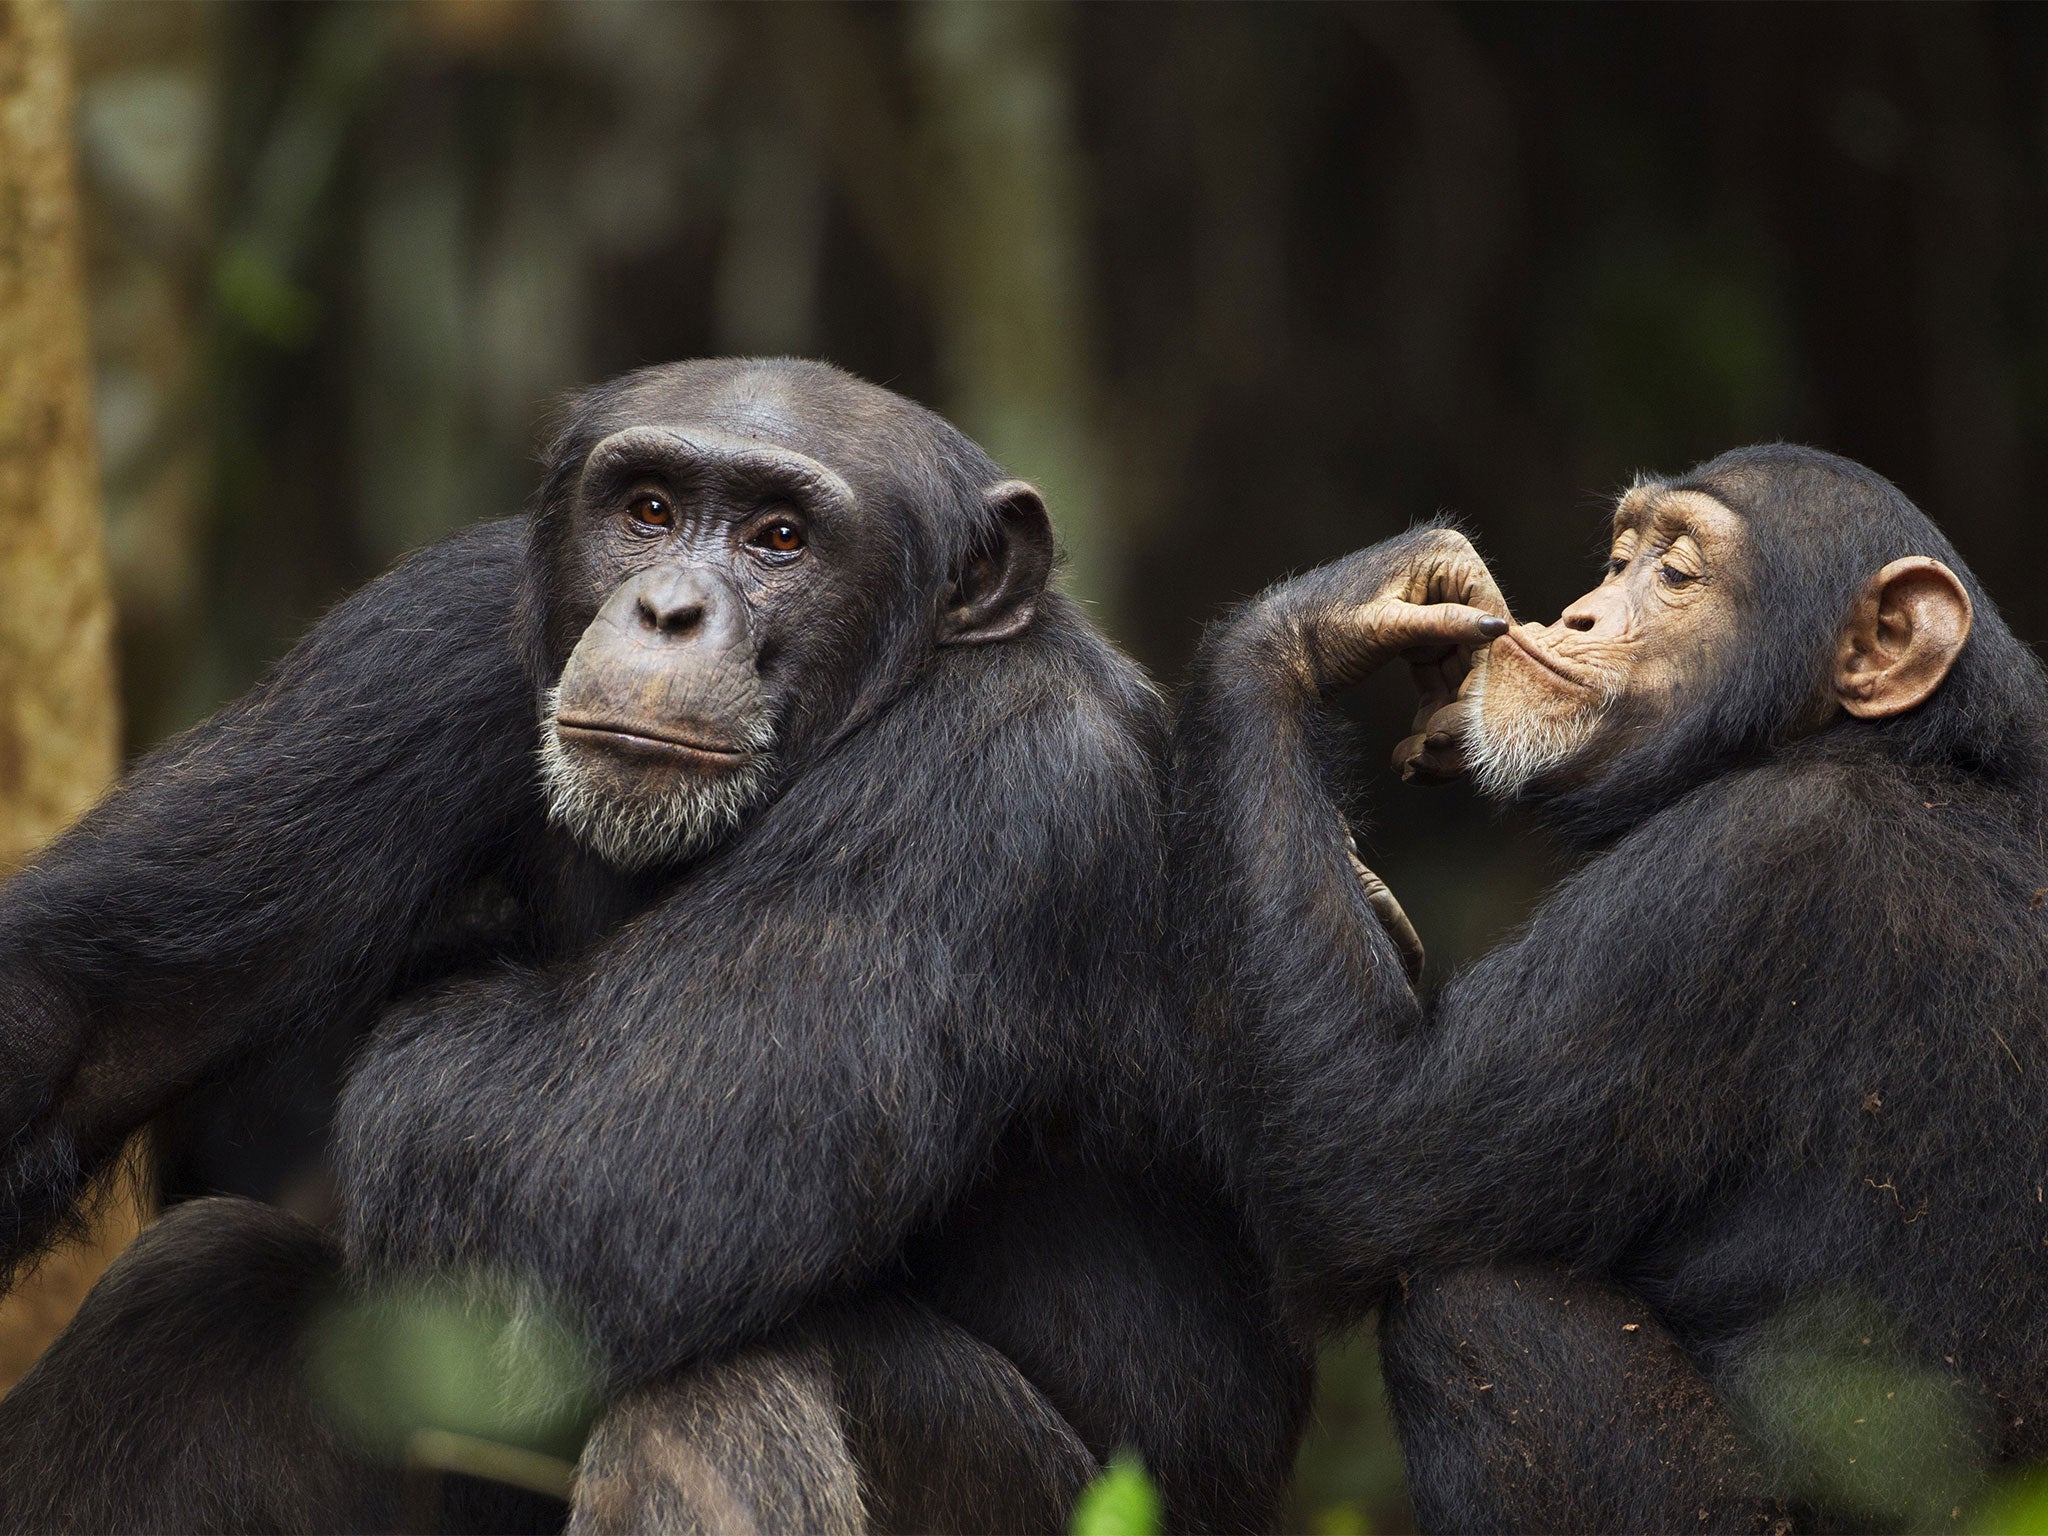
x,y
671,1185
1282,941
244,882
1262,852
1319,1021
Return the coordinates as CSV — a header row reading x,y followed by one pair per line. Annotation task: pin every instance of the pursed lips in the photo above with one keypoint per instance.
x,y
1542,657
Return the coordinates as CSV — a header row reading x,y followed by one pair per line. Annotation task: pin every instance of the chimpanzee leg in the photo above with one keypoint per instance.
x,y
948,1433
1531,1400
877,1417
174,1400
751,1444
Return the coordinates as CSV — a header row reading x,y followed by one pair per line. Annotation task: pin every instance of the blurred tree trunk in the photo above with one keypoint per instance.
x,y
1009,261
972,191
57,717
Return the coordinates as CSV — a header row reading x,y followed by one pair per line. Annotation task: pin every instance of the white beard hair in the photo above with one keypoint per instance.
x,y
1502,758
637,833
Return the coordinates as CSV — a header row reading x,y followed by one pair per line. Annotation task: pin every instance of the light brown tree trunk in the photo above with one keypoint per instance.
x,y
57,713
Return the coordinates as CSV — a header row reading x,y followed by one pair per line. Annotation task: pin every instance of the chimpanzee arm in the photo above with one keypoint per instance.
x,y
1277,932
1514,1122
755,1091
261,875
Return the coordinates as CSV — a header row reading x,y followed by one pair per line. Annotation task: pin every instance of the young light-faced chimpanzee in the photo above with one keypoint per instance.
x,y
746,871
1726,1172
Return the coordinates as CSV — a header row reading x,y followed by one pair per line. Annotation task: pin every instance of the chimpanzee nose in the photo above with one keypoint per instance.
x,y
672,603
1604,610
677,605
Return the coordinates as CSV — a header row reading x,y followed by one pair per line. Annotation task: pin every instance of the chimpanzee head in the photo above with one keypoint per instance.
x,y
1770,594
732,563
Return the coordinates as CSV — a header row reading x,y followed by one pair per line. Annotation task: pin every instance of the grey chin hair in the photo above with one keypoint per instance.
x,y
640,832
1502,758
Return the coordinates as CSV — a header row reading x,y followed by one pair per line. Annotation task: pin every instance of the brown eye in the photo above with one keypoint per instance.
x,y
651,510
781,537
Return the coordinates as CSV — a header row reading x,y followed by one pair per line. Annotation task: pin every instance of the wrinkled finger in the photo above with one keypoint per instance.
x,y
1388,910
1435,752
1439,679
1352,643
1430,760
1474,586
1420,760
1424,626
1465,579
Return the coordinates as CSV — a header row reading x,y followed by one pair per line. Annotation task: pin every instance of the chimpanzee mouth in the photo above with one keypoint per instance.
x,y
644,741
1518,738
1549,663
639,819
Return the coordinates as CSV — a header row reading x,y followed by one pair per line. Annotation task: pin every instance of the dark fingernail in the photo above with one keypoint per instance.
x,y
1493,628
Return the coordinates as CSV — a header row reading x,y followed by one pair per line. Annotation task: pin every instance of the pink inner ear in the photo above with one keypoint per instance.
x,y
1922,623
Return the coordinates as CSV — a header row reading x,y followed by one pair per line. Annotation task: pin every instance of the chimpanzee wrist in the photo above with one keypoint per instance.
x,y
1301,635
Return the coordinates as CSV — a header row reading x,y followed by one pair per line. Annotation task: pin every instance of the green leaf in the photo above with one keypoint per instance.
x,y
1121,1502
449,1365
2018,1506
1341,1519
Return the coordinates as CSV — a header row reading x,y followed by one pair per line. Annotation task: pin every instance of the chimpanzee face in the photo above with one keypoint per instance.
x,y
1657,637
1556,700
719,568
743,554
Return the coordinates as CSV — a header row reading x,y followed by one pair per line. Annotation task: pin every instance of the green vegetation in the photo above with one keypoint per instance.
x,y
1121,1502
459,1379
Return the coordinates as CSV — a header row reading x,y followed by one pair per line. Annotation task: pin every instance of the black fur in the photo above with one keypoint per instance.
x,y
1780,1044
899,1041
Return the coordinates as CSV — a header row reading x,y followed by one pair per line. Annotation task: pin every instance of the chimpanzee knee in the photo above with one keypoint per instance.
x,y
1530,1399
753,1443
950,1435
875,1416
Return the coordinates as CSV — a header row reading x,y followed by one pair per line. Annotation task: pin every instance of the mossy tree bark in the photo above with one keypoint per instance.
x,y
58,729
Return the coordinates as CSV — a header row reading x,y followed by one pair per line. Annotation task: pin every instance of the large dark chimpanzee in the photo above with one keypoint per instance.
x,y
747,872
1727,1171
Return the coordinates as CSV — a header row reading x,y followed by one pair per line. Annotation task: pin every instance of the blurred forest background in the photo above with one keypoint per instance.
x,y
1242,287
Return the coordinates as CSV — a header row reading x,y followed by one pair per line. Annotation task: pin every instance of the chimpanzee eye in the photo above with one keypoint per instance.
x,y
651,510
781,537
1614,567
1672,576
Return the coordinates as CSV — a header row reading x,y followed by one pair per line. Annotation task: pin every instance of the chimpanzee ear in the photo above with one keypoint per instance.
x,y
994,594
1902,637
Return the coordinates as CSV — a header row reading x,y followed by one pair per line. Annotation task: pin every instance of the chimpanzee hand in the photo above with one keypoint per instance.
x,y
1446,674
1426,597
1387,908
1448,697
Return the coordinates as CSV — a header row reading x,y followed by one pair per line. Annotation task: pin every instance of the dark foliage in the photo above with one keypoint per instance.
x,y
898,1043
1781,1040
